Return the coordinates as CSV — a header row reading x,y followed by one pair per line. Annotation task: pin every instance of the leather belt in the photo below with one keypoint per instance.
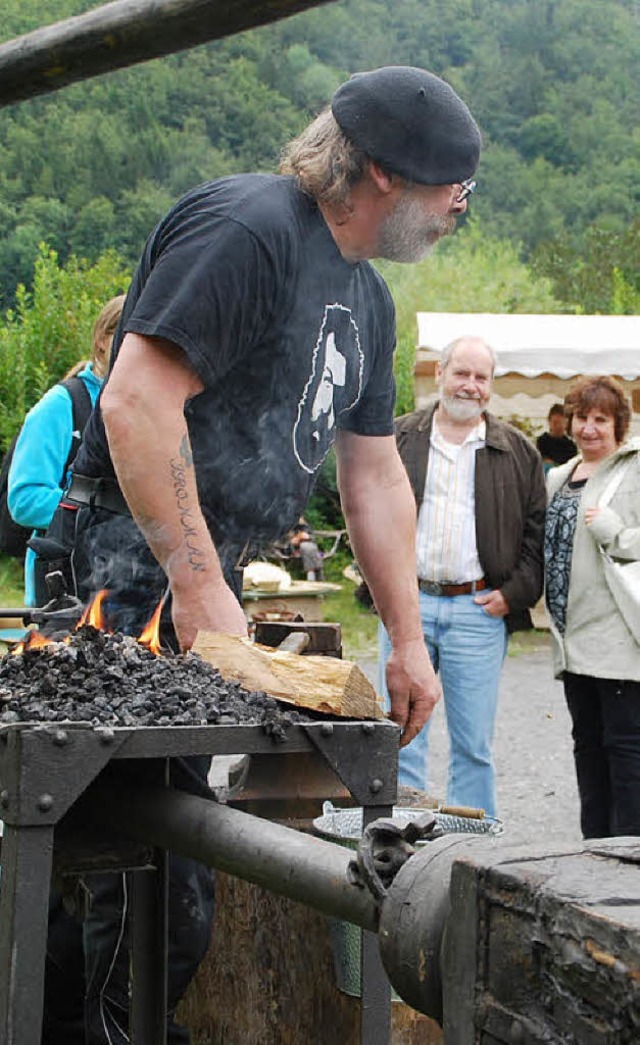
x,y
444,588
97,493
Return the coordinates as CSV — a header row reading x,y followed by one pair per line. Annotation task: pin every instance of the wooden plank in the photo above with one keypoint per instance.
x,y
337,687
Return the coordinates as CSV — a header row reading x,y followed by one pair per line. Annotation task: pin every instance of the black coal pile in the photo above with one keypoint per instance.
x,y
113,680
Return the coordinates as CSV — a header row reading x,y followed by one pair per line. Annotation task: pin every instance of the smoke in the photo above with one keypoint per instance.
x,y
111,553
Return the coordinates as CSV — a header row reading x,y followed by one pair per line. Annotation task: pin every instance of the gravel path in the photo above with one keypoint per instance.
x,y
537,794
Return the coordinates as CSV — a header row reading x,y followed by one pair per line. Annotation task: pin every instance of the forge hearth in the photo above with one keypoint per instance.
x,y
82,711
113,680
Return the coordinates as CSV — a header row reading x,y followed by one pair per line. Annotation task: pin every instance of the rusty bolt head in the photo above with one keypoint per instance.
x,y
376,785
45,802
60,737
4,799
368,728
326,729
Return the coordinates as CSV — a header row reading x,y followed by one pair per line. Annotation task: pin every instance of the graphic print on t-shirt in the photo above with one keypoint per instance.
x,y
334,385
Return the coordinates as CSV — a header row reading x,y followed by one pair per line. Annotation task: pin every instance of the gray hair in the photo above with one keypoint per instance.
x,y
448,350
324,163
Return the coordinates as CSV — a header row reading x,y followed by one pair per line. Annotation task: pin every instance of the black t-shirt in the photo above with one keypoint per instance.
x,y
556,448
290,340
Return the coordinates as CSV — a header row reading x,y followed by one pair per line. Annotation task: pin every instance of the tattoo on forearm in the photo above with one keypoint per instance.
x,y
185,451
179,478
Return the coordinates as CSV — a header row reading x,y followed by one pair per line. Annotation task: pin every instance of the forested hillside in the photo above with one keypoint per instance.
x,y
554,84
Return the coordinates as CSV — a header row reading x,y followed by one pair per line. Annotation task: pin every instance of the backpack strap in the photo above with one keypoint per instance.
x,y
82,407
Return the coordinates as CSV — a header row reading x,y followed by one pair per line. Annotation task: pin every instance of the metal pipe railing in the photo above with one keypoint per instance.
x,y
285,861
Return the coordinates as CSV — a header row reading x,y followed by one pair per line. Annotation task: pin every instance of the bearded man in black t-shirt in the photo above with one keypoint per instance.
x,y
255,335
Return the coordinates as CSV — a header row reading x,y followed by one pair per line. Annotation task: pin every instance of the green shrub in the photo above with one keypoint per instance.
x,y
50,329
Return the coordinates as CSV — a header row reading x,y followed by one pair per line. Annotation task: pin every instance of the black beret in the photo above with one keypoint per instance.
x,y
411,122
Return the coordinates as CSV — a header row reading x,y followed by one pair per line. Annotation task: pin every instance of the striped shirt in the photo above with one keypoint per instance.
x,y
446,548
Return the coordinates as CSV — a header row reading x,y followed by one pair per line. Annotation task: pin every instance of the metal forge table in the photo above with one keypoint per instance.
x,y
45,770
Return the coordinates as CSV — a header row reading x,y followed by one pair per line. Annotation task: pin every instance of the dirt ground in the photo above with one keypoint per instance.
x,y
537,793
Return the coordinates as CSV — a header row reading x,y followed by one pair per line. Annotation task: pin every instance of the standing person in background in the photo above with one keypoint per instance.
x,y
38,474
480,498
594,507
303,545
555,447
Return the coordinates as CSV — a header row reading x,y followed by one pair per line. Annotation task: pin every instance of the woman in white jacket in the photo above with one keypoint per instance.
x,y
594,507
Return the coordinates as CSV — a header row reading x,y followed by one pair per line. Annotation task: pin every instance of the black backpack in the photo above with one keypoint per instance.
x,y
13,537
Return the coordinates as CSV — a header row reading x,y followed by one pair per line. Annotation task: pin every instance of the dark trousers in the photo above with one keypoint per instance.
x,y
606,746
87,969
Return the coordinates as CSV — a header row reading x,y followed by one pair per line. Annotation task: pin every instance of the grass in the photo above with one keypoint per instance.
x,y
11,590
359,626
11,582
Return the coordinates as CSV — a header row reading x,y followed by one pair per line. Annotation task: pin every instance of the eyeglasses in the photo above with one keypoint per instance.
x,y
467,188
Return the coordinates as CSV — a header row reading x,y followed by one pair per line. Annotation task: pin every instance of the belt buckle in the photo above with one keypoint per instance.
x,y
432,587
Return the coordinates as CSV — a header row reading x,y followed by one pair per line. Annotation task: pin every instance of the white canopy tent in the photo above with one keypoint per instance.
x,y
538,355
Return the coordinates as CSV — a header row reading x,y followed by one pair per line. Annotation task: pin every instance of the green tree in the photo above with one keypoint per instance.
x,y
94,229
472,272
601,274
554,85
50,329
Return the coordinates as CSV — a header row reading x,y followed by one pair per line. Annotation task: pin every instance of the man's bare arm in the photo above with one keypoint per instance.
x,y
380,513
143,410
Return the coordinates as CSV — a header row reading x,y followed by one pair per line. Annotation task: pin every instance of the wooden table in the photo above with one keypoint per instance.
x,y
303,597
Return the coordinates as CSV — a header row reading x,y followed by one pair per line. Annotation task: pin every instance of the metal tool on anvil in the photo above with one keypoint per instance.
x,y
61,613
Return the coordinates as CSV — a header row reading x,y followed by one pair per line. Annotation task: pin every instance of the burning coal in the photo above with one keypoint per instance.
x,y
113,679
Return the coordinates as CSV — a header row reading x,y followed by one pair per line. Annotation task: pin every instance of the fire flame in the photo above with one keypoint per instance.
x,y
33,640
150,636
93,614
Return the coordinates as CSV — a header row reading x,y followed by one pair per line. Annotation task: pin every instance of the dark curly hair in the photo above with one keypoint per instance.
x,y
600,393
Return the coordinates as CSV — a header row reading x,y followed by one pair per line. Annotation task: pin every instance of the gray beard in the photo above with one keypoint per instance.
x,y
462,409
408,234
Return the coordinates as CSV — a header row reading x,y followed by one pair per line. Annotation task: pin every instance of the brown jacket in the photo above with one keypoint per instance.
x,y
510,506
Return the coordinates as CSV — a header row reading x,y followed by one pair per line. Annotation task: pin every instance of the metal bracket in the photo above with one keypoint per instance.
x,y
44,769
363,754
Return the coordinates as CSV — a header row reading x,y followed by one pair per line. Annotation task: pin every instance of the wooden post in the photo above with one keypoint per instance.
x,y
123,33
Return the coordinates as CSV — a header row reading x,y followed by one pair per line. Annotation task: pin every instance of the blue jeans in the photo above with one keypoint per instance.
x,y
467,647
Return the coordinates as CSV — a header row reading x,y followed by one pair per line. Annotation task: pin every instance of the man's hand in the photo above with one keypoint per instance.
x,y
591,513
215,608
413,687
494,603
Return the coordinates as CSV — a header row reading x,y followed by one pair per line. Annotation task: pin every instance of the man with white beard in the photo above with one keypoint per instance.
x,y
479,490
255,335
